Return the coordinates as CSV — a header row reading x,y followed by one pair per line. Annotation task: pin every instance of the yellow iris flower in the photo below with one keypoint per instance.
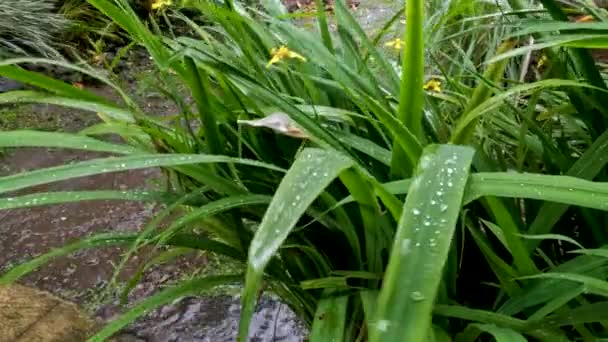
x,y
396,44
281,53
433,85
158,4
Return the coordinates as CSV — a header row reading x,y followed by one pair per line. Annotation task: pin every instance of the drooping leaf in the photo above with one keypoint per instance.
x,y
105,165
310,174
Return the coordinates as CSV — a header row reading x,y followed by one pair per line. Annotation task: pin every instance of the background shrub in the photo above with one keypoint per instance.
x,y
30,27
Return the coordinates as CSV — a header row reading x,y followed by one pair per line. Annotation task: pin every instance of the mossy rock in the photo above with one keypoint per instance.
x,y
31,315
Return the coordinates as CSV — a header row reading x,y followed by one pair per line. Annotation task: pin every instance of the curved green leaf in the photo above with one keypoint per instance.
x,y
114,164
48,198
421,244
560,189
28,138
310,174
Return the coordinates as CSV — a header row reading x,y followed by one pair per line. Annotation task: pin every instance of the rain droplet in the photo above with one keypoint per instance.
x,y
427,223
326,174
433,202
450,171
437,232
444,207
450,184
382,325
298,197
417,244
405,246
416,212
63,218
417,296
439,193
314,174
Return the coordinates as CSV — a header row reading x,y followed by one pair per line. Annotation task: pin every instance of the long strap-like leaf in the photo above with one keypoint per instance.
x,y
421,245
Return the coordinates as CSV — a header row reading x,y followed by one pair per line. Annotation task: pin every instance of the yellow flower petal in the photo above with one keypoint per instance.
x,y
433,85
158,4
542,61
396,44
295,55
281,53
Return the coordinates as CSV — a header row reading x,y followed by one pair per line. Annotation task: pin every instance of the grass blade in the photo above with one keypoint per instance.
x,y
48,198
60,140
105,165
411,95
310,174
473,331
421,244
560,189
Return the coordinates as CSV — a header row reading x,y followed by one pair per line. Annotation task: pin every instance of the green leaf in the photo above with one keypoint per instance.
x,y
97,241
602,252
500,334
560,189
48,198
60,140
105,165
184,288
50,84
588,166
493,74
310,174
504,321
592,284
274,7
29,96
330,318
411,95
588,313
557,237
421,244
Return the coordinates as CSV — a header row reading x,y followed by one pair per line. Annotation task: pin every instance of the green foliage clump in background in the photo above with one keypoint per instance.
x,y
30,27
376,209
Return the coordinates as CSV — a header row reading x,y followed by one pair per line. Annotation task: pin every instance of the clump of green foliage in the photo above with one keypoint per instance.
x,y
376,209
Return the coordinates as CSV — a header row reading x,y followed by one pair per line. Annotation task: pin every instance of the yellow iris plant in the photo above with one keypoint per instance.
x,y
282,53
